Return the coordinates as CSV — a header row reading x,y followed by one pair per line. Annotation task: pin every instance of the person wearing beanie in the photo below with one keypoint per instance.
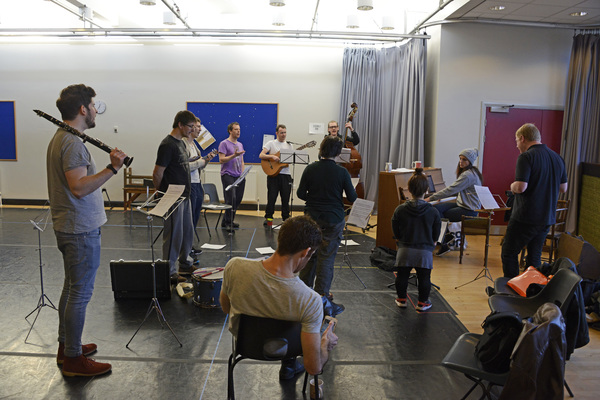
x,y
467,201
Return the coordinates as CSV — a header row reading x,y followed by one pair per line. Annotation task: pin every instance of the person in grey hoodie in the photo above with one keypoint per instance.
x,y
416,225
467,201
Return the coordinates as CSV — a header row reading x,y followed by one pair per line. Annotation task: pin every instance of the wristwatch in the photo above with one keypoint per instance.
x,y
109,166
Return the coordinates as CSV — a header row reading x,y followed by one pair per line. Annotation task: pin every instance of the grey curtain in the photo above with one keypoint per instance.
x,y
581,123
388,86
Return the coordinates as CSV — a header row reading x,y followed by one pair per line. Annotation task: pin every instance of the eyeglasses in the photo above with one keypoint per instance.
x,y
191,126
335,126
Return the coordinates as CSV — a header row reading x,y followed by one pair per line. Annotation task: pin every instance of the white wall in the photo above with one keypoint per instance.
x,y
145,85
476,63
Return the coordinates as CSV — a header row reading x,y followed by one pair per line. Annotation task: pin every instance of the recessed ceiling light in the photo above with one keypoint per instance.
x,y
364,5
352,22
578,14
276,3
497,8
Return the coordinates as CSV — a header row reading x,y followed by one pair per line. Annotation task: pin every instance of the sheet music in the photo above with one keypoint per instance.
x,y
443,231
344,156
241,178
360,213
266,139
485,196
173,194
205,138
287,156
265,250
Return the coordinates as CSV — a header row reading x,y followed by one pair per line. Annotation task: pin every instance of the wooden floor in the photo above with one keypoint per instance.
x,y
470,302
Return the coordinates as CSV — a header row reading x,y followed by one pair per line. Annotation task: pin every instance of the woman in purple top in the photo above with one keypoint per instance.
x,y
231,158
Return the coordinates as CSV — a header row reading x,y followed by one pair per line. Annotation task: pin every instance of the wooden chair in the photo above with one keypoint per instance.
x,y
134,186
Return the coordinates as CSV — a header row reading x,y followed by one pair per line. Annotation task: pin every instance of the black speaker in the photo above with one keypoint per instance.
x,y
133,279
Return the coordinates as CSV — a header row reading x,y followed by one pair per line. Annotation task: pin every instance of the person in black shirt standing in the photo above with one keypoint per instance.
x,y
322,186
539,177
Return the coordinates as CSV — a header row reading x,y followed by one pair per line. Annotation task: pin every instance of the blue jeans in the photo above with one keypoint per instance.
x,y
519,235
319,268
196,199
81,258
450,210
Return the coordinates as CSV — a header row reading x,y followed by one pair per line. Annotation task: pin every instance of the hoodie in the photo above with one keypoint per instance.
x,y
416,224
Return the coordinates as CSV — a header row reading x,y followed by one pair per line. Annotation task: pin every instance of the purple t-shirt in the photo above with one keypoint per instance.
x,y
234,166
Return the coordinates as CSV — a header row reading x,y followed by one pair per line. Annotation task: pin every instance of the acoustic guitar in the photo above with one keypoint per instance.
x,y
273,168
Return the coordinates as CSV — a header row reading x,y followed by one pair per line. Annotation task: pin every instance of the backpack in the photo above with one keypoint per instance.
x,y
383,258
501,331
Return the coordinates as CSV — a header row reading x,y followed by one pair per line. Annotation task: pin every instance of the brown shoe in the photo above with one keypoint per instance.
x,y
86,350
83,366
176,278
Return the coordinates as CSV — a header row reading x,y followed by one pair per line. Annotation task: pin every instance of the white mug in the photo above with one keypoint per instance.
x,y
417,164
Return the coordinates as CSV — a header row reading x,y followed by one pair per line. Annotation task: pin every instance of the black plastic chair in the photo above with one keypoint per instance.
x,y
214,203
501,284
461,358
558,291
265,339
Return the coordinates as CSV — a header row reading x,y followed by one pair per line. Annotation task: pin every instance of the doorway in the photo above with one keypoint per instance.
x,y
500,151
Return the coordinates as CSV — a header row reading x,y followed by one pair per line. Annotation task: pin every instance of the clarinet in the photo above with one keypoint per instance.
x,y
86,138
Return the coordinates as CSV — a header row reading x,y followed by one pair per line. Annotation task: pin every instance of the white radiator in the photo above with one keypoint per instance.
x,y
212,174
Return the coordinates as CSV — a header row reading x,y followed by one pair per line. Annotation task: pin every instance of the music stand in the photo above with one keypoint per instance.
x,y
163,208
43,218
228,188
293,157
360,213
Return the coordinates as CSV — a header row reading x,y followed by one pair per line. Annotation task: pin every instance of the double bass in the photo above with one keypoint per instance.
x,y
355,164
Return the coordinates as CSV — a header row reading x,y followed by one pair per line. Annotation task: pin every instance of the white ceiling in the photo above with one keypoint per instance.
x,y
254,18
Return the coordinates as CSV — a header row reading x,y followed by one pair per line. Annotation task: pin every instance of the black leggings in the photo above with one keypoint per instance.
x,y
423,282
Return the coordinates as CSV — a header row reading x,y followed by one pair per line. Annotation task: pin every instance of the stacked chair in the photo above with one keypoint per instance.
x,y
546,309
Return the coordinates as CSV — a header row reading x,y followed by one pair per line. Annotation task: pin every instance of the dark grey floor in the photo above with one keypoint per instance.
x,y
383,352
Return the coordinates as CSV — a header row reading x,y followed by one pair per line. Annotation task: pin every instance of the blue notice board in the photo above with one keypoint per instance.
x,y
8,132
255,119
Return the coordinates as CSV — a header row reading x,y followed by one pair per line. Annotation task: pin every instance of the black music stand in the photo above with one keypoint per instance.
x,y
161,213
43,218
360,213
292,157
228,188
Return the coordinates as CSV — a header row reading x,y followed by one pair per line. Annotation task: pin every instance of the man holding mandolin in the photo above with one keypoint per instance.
x,y
278,183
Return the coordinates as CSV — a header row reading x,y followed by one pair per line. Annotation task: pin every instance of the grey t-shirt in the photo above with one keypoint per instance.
x,y
252,290
70,214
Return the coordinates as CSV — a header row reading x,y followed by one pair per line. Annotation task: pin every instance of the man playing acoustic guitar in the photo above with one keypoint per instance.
x,y
279,183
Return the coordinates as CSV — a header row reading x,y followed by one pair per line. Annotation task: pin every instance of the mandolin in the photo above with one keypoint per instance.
x,y
273,168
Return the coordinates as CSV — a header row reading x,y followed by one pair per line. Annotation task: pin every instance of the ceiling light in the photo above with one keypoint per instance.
x,y
277,3
352,22
578,14
168,18
148,2
364,5
387,23
497,8
278,20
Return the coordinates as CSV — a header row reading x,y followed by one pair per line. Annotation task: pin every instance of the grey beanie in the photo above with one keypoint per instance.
x,y
470,154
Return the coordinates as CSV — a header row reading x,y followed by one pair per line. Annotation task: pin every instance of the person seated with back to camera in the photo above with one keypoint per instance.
x,y
271,289
416,225
467,201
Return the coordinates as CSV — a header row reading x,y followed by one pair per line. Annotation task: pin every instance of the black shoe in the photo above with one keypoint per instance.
x,y
490,291
235,225
331,308
290,368
443,250
195,252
